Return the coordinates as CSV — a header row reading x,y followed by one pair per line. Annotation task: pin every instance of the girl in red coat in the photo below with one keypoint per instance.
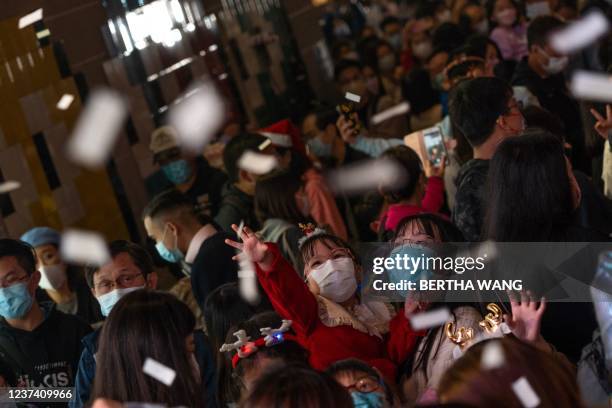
x,y
327,315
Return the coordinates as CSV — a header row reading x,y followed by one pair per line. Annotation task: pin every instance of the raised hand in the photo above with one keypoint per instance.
x,y
346,127
438,171
252,246
526,318
603,125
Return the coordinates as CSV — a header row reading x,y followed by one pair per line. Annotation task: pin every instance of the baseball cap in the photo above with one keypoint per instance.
x,y
163,140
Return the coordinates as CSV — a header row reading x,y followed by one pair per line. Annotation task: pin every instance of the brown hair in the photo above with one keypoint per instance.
x,y
330,241
146,324
466,382
297,387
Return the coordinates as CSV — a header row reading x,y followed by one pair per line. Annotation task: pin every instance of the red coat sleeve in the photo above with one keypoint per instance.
x,y
402,339
288,294
434,195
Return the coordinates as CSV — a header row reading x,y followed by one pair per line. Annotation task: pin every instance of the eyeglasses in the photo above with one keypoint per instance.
x,y
365,384
12,280
123,281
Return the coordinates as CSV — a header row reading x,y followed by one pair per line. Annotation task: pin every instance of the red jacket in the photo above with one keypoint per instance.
x,y
293,300
431,203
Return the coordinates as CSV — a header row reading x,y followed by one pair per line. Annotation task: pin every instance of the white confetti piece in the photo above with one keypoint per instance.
x,y
366,176
97,128
256,162
492,356
352,97
197,116
525,393
158,371
392,112
65,102
247,276
31,18
592,86
429,319
9,186
264,145
580,33
84,247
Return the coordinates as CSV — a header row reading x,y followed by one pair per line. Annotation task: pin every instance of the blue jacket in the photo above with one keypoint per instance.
x,y
87,369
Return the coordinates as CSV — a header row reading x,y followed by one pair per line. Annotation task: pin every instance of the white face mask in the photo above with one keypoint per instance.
x,y
556,65
444,16
422,50
336,279
540,8
52,276
482,27
108,300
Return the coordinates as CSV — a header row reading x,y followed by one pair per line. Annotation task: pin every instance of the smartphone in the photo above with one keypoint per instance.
x,y
434,145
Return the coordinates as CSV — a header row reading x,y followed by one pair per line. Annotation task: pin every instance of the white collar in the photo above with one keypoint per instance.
x,y
198,239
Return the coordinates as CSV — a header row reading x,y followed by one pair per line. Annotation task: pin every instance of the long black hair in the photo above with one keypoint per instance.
x,y
146,324
528,190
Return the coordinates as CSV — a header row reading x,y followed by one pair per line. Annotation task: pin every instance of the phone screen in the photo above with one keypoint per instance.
x,y
434,145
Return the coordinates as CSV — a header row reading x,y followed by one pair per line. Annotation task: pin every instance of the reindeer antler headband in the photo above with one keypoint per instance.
x,y
245,347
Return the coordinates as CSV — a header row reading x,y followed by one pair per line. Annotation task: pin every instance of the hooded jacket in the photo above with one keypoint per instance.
x,y
469,211
48,355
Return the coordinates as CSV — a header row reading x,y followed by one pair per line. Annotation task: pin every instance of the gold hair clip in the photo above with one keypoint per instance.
x,y
308,228
492,320
460,336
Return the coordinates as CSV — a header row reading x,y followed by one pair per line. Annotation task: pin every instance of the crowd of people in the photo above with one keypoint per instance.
x,y
523,161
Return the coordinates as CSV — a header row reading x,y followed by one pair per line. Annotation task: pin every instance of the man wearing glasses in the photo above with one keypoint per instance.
x,y
39,344
130,269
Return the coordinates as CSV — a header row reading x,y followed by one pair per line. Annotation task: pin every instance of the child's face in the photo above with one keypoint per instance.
x,y
323,251
414,233
361,382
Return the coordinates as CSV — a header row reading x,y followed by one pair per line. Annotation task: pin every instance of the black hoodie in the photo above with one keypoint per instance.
x,y
469,211
47,356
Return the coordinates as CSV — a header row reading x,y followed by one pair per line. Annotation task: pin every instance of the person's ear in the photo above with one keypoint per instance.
x,y
152,280
35,279
246,176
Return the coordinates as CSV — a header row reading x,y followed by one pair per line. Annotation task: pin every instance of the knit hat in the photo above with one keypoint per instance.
x,y
41,236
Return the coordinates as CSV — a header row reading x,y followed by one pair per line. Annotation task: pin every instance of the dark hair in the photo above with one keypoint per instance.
x,y
536,116
528,189
388,20
476,46
275,197
329,240
235,148
426,8
146,324
409,160
325,117
541,28
448,36
138,254
225,307
419,92
353,364
165,202
289,351
22,251
297,387
368,210
343,65
476,104
466,382
433,225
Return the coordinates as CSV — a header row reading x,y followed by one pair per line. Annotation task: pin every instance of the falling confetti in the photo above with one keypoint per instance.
x,y
392,112
580,33
84,247
352,97
366,176
257,163
160,372
8,186
492,356
525,393
429,319
197,116
31,18
592,86
97,128
65,102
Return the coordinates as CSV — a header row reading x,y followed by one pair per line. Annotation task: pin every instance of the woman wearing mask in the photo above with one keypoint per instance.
x,y
63,283
281,205
328,316
390,73
510,32
148,325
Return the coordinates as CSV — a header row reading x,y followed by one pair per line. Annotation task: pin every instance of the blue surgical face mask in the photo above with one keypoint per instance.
x,y
319,148
178,172
407,252
170,255
15,301
367,400
108,300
